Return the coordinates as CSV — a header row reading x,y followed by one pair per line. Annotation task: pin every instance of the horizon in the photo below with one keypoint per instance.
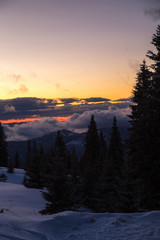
x,y
38,117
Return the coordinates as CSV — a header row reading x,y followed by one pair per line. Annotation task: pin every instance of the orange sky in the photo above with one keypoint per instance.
x,y
61,119
88,48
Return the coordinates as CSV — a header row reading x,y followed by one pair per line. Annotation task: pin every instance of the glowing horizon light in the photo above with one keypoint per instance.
x,y
24,120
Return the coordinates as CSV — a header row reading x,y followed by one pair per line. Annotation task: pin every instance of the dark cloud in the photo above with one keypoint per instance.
x,y
83,100
21,108
26,108
96,99
123,100
69,100
154,13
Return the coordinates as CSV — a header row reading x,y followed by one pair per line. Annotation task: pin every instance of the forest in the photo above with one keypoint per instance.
x,y
110,176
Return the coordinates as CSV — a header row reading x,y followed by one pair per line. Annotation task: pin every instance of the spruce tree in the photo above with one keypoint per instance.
x,y
16,160
91,166
115,148
155,56
3,148
141,136
103,150
56,179
112,174
10,167
43,164
28,155
155,141
144,151
33,178
75,180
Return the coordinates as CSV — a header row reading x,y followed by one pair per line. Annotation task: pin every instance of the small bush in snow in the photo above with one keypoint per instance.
x,y
3,177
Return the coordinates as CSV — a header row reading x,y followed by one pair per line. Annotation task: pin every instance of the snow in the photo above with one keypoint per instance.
x,y
21,219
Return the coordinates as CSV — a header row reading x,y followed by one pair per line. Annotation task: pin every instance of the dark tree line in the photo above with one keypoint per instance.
x,y
69,182
5,160
3,148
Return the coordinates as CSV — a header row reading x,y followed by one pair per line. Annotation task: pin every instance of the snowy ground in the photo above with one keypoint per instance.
x,y
21,220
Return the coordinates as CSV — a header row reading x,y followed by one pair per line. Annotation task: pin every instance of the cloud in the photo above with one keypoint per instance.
x,y
58,85
123,100
29,130
28,107
16,77
153,13
83,100
22,89
103,118
69,100
9,108
96,99
77,123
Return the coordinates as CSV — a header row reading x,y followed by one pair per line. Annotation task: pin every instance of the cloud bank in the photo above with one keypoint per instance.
x,y
21,108
76,123
46,110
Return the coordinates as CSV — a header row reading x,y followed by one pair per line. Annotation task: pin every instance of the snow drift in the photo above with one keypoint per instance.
x,y
20,219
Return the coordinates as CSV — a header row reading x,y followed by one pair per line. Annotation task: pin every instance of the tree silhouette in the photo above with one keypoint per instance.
x,y
16,160
3,148
113,171
57,180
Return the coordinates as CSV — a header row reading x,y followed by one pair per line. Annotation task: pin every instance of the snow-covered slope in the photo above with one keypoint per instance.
x,y
21,220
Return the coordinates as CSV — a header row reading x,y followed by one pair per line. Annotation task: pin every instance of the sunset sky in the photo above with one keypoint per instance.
x,y
68,59
72,48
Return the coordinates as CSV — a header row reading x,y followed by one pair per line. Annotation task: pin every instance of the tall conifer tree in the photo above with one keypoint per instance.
x,y
113,171
91,165
140,147
3,148
16,160
155,141
144,150
28,155
56,179
33,177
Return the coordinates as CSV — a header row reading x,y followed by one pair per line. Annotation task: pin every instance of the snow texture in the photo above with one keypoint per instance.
x,y
20,219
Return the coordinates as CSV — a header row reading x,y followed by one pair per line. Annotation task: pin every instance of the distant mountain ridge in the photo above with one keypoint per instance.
x,y
72,140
